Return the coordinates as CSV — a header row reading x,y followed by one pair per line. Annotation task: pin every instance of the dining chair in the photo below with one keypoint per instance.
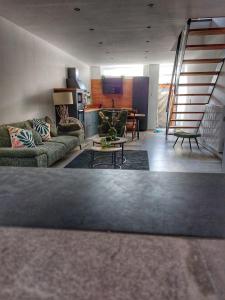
x,y
131,125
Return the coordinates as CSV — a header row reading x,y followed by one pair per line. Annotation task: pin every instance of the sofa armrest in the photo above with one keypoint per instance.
x,y
77,133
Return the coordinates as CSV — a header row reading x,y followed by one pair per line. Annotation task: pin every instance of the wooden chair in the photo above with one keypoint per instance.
x,y
131,125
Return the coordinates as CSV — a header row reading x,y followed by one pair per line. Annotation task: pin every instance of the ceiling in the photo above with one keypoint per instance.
x,y
120,26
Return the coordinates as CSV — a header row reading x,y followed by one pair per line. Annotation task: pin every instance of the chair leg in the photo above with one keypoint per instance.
x,y
196,140
175,142
182,142
190,144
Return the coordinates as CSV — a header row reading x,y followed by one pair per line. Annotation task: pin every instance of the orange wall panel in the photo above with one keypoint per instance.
x,y
124,100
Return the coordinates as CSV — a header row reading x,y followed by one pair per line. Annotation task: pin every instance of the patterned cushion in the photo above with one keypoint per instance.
x,y
43,129
21,138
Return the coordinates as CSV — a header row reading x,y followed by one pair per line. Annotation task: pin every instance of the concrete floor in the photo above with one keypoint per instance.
x,y
164,158
56,264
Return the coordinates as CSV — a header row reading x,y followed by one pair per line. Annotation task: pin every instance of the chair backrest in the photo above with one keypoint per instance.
x,y
132,116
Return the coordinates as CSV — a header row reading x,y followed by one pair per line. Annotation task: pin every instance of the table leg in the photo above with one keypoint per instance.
x,y
92,158
175,142
190,144
138,129
122,152
114,160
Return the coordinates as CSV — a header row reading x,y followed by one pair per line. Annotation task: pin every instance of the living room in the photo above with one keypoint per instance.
x,y
111,164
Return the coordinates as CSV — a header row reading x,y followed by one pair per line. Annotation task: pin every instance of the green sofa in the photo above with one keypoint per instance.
x,y
43,155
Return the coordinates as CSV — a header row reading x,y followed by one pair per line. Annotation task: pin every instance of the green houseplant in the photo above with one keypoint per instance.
x,y
111,122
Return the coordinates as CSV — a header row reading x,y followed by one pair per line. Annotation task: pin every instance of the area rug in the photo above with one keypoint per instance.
x,y
135,160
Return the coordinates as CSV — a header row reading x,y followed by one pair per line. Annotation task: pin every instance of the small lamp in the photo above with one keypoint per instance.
x,y
61,101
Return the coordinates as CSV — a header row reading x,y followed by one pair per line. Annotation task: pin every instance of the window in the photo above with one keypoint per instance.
x,y
165,73
124,70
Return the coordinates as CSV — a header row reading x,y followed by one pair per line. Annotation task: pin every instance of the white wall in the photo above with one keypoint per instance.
x,y
153,72
95,72
29,69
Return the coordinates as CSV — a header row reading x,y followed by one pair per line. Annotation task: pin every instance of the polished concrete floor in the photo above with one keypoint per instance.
x,y
164,158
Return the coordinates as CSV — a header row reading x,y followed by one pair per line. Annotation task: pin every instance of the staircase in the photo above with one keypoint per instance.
x,y
197,67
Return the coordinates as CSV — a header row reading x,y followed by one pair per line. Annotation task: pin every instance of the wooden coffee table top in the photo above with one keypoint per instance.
x,y
120,141
107,149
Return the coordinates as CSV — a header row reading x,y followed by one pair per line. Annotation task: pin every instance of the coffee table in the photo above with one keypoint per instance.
x,y
111,150
119,142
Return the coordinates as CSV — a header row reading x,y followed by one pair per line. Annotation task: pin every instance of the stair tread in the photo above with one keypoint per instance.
x,y
196,84
188,112
207,31
183,126
205,47
199,73
185,120
206,94
198,103
203,61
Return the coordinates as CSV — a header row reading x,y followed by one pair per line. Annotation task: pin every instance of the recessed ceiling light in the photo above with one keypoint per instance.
x,y
148,27
91,29
151,4
100,43
147,41
146,51
107,52
76,9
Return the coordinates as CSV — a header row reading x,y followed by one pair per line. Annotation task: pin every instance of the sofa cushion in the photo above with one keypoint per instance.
x,y
54,151
70,142
53,128
37,138
76,133
4,133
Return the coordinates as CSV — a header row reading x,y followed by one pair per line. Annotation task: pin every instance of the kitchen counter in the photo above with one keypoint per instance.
x,y
107,108
91,109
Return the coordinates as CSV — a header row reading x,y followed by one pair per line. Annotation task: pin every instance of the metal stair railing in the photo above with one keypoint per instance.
x,y
180,52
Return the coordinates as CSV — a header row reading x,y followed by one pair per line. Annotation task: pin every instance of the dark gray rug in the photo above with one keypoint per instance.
x,y
114,200
135,160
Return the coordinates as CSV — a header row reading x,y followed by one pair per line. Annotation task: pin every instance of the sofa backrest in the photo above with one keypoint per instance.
x,y
4,133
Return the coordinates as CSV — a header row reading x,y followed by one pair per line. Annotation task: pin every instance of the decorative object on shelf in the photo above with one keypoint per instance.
x,y
61,101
